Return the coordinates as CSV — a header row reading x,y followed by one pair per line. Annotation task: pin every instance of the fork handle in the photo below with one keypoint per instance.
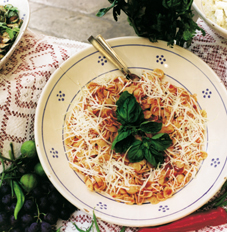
x,y
102,46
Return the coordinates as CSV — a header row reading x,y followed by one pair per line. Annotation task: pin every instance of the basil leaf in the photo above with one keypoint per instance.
x,y
103,11
151,152
136,153
150,157
161,141
128,110
123,140
171,20
153,156
150,127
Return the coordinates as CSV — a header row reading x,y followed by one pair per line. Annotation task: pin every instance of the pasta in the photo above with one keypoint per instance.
x,y
92,126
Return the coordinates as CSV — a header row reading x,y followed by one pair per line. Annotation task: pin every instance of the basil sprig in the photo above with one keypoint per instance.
x,y
130,115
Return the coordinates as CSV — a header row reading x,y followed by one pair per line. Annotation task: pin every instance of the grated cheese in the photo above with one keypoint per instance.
x,y
91,127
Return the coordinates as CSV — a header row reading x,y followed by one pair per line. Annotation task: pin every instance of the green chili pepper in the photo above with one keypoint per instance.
x,y
20,198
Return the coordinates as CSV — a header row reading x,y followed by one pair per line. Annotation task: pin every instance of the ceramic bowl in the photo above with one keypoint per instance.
x,y
181,68
24,13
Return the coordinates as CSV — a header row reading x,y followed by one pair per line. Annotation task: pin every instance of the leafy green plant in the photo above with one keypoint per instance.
x,y
168,20
94,222
130,115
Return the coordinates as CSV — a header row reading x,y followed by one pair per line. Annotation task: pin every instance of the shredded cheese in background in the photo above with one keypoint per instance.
x,y
216,11
92,126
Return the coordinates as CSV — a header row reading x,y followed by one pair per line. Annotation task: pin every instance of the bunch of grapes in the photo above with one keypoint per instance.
x,y
40,212
41,206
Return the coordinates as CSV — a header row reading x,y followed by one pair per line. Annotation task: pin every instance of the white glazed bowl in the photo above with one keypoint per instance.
x,y
24,13
182,68
198,8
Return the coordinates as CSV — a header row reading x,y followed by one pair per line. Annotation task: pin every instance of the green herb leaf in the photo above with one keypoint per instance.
x,y
128,110
150,127
87,230
161,141
123,229
136,152
96,223
130,115
58,230
150,157
103,11
170,20
123,140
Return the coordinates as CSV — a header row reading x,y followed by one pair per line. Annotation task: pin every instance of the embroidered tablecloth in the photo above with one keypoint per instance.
x,y
24,76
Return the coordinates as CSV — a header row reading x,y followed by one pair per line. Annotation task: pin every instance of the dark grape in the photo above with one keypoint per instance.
x,y
5,189
43,204
34,227
13,221
29,205
37,192
50,218
3,218
51,187
16,230
7,207
7,199
70,207
64,214
45,187
55,209
12,207
26,220
55,198
46,227
5,227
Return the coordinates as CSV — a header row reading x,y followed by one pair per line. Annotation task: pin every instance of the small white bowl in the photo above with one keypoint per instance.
x,y
24,13
198,9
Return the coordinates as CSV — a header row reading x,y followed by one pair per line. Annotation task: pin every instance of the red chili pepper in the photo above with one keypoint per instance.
x,y
196,221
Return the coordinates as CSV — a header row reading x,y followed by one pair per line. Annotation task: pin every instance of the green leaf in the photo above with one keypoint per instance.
x,y
87,230
103,11
123,229
161,141
128,110
150,157
151,153
58,230
150,127
123,140
136,153
170,20
96,223
10,32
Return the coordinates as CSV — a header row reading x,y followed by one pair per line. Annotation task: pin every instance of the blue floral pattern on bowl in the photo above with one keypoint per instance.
x,y
54,153
206,93
101,205
215,162
160,59
163,208
102,60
